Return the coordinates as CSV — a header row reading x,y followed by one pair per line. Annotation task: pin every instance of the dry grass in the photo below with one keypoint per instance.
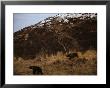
x,y
59,64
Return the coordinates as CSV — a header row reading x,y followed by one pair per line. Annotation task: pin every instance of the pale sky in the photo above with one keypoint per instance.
x,y
22,20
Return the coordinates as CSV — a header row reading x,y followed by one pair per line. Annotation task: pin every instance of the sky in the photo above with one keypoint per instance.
x,y
22,20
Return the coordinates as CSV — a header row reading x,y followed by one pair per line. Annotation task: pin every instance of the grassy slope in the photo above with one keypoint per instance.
x,y
85,64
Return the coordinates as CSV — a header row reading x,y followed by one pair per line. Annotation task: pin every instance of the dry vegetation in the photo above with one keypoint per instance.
x,y
47,43
59,64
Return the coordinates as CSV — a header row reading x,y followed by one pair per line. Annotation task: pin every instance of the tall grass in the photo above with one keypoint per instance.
x,y
59,64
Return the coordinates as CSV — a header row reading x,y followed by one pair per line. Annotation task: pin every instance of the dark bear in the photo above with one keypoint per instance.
x,y
72,55
36,70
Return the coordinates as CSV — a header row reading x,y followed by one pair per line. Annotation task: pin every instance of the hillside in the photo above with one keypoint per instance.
x,y
61,33
45,46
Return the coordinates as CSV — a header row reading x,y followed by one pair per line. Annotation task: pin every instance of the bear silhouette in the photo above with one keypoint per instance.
x,y
36,70
72,55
